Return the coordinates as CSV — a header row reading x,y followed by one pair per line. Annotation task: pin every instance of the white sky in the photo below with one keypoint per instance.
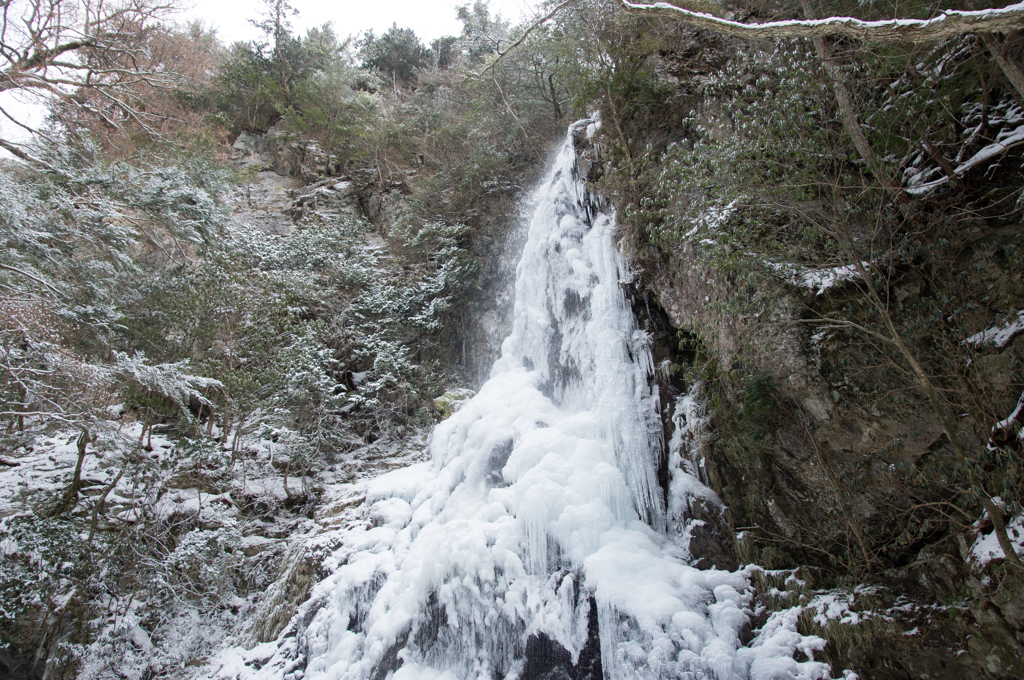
x,y
430,19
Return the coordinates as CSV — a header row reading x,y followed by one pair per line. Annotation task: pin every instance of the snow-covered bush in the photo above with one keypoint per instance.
x,y
204,563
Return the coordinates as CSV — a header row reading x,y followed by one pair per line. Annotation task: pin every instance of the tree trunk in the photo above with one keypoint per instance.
x,y
1009,69
145,424
554,97
287,469
70,497
937,157
847,109
23,393
999,527
101,501
228,416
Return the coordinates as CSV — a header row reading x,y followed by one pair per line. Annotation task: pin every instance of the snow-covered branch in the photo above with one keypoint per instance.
x,y
948,24
168,380
1005,142
1010,426
999,336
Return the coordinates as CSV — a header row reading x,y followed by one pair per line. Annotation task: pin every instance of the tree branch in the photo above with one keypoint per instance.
x,y
534,26
19,153
948,24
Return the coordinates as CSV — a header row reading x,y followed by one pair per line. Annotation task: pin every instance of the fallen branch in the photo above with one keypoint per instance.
x,y
947,25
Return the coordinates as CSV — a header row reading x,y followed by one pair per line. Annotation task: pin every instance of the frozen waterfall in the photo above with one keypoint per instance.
x,y
534,543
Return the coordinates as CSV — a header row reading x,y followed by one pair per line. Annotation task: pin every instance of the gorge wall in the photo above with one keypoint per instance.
x,y
823,445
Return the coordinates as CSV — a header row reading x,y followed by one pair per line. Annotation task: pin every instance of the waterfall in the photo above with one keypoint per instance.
x,y
534,542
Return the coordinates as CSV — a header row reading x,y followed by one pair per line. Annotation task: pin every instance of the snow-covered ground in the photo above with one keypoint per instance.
x,y
237,534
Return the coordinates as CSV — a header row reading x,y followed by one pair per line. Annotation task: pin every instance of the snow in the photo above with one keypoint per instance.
x,y
834,605
1004,141
540,501
184,630
688,475
770,656
818,280
823,279
413,671
999,336
403,483
986,548
391,511
50,463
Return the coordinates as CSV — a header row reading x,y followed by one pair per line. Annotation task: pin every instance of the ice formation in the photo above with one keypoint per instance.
x,y
536,535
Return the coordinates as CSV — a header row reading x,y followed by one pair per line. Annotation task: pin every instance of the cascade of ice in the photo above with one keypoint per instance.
x,y
537,530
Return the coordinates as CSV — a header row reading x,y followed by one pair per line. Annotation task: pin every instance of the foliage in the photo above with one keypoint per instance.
x,y
481,33
44,562
398,55
246,94
261,81
606,60
332,108
73,243
203,563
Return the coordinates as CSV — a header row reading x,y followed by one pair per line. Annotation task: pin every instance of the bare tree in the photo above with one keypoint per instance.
x,y
56,48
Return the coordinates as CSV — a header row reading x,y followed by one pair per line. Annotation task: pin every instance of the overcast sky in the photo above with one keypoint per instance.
x,y
430,19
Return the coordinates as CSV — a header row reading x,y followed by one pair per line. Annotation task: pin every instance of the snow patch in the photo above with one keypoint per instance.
x,y
999,336
986,548
1004,141
818,280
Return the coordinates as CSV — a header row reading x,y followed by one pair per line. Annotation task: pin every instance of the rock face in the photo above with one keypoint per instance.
x,y
277,152
263,203
284,187
793,467
805,460
291,181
